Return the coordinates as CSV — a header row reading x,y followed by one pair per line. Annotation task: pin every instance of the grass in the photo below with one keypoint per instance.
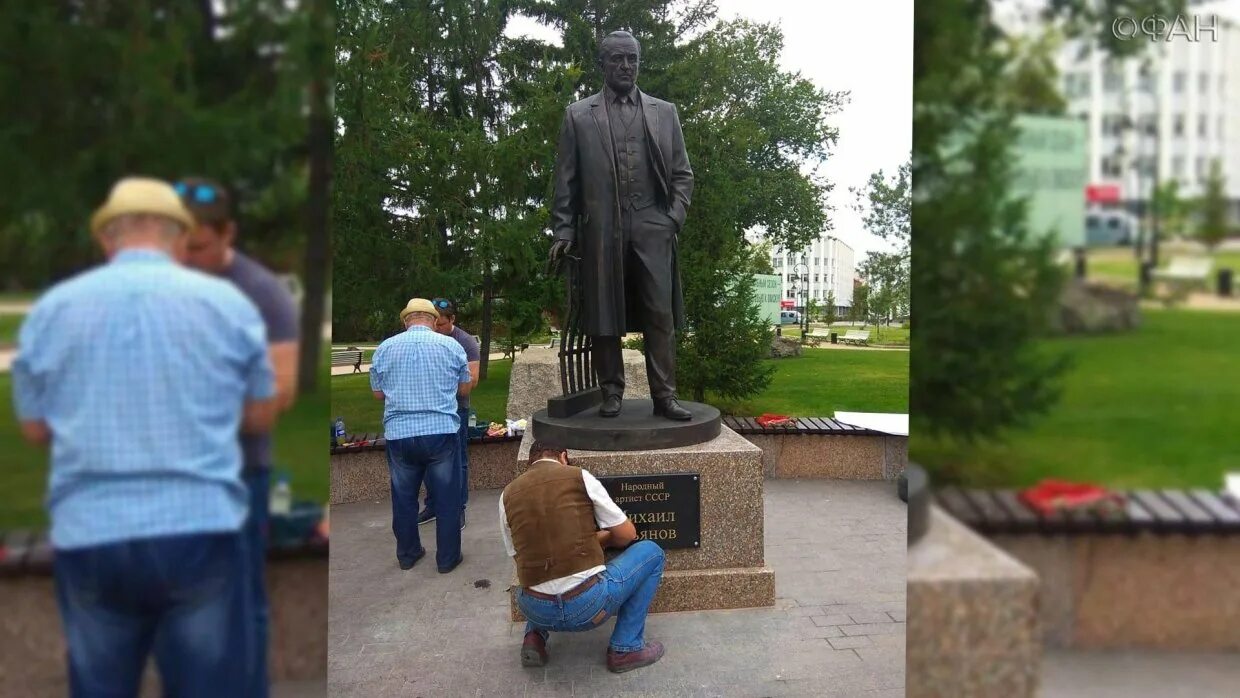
x,y
818,383
352,399
821,382
9,324
1150,409
300,449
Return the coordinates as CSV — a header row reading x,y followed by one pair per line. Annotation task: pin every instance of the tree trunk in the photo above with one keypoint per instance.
x,y
318,238
485,359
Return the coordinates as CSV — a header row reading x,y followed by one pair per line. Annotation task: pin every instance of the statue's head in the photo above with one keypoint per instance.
x,y
618,57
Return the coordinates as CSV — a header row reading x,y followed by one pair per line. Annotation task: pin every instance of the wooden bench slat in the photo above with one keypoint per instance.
x,y
1165,517
1024,519
823,425
730,422
956,504
1227,515
1198,518
991,512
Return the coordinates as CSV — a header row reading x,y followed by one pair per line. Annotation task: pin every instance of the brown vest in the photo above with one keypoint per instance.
x,y
551,518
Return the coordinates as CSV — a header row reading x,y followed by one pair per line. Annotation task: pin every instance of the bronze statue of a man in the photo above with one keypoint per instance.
x,y
622,188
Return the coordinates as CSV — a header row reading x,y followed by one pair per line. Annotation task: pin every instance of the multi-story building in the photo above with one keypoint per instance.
x,y
1165,114
828,262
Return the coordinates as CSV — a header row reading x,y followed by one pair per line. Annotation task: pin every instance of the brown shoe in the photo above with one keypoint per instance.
x,y
533,650
620,662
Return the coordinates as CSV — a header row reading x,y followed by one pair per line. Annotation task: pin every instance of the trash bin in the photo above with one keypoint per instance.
x,y
835,338
1224,282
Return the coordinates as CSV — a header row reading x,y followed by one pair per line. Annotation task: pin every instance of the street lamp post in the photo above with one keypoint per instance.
x,y
801,280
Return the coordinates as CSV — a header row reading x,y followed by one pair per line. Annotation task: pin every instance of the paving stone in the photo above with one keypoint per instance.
x,y
866,618
874,629
833,619
844,643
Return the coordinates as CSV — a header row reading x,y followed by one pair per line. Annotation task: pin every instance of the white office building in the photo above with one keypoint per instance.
x,y
1164,114
828,262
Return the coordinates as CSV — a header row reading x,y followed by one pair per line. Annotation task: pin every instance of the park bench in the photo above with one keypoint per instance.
x,y
1184,274
508,348
372,441
1188,512
858,337
748,426
351,357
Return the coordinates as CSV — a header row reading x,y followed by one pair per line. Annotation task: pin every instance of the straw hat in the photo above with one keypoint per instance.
x,y
141,195
418,305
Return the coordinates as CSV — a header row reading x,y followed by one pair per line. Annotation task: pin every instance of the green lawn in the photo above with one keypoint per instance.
x,y
300,449
1153,408
816,384
9,324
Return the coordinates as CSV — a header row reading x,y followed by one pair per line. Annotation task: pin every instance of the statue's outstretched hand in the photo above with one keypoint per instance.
x,y
555,258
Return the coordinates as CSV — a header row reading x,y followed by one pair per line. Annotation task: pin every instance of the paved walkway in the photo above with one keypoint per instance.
x,y
1134,674
837,629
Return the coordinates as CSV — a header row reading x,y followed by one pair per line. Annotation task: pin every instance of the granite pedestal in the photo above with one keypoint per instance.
x,y
728,568
972,616
536,377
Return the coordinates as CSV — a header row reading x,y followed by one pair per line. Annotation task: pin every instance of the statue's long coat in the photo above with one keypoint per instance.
x,y
585,210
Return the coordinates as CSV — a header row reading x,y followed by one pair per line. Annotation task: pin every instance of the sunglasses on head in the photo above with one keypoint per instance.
x,y
442,304
199,193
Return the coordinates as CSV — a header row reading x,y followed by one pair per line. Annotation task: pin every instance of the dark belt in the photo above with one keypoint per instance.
x,y
570,594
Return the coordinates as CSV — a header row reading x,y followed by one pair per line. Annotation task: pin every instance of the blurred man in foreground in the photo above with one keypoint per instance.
x,y
556,519
211,250
139,374
446,325
419,374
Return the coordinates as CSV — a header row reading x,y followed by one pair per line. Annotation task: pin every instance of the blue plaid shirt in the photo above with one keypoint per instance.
x,y
140,368
418,372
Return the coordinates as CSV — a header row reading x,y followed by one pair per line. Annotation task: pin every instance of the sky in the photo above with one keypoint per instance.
x,y
865,48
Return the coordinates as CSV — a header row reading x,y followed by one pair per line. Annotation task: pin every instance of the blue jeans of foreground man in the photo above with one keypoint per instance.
x,y
433,459
462,464
257,524
183,597
626,590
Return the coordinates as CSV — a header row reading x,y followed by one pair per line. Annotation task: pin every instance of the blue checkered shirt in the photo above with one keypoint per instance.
x,y
418,372
140,368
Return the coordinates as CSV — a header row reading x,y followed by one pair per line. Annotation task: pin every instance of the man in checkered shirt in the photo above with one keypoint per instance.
x,y
418,375
139,374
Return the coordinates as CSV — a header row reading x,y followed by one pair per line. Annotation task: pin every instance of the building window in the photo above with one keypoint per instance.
x,y
1203,83
1146,82
1112,79
1218,133
1177,125
1149,125
1201,169
1179,81
1177,166
1201,126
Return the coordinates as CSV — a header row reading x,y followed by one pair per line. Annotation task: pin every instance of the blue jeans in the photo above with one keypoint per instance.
x,y
462,464
433,459
257,524
625,591
182,597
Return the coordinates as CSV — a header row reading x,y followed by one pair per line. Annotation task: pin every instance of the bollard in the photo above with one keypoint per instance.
x,y
1080,262
1147,275
1224,282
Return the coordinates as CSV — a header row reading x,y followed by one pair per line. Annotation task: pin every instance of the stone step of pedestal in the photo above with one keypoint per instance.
x,y
699,590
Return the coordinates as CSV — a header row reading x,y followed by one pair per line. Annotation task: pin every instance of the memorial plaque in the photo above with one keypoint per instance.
x,y
664,508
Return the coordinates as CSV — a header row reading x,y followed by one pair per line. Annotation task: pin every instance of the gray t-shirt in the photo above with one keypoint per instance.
x,y
279,312
466,340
